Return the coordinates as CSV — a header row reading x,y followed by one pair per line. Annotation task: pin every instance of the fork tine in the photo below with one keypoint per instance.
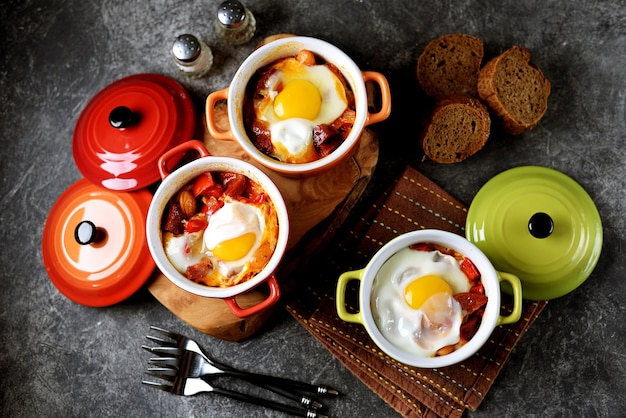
x,y
164,351
163,372
179,340
163,386
170,334
162,341
172,362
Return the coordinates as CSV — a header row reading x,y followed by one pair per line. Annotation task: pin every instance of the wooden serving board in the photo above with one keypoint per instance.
x,y
311,201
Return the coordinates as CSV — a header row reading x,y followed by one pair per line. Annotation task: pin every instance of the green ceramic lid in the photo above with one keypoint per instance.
x,y
540,225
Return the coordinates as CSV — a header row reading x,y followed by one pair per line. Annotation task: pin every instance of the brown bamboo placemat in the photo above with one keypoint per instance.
x,y
412,202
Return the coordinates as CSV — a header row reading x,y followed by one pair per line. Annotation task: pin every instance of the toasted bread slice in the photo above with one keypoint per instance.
x,y
449,65
515,90
459,126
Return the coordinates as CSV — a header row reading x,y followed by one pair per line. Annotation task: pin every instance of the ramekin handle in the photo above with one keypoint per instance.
x,y
175,154
385,95
211,101
340,299
516,285
271,299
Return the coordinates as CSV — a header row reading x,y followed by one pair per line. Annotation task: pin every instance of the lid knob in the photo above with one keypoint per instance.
x,y
87,233
231,14
122,117
540,225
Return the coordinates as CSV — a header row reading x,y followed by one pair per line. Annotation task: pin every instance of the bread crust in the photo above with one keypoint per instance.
x,y
514,89
458,127
449,65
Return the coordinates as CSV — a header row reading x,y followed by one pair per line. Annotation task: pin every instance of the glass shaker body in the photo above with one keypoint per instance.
x,y
191,56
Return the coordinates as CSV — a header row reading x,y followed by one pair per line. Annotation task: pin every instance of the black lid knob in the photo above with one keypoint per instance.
x,y
540,225
122,117
87,233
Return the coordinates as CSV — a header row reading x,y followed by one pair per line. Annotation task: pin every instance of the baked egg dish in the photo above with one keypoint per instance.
x,y
220,229
298,109
428,300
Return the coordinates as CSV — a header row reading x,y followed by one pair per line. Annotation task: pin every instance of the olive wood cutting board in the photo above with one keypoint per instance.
x,y
317,206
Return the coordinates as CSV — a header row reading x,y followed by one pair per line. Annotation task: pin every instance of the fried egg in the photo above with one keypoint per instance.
x,y
238,241
413,303
233,235
297,98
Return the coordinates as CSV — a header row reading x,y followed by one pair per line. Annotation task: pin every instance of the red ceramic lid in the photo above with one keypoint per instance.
x,y
94,244
127,126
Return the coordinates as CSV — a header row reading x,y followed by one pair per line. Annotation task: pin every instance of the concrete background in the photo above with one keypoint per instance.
x,y
58,358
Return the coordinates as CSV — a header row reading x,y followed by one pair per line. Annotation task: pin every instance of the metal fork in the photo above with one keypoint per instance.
x,y
191,364
294,389
189,386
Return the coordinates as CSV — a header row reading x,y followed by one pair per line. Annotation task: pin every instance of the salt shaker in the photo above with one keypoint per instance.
x,y
234,22
192,56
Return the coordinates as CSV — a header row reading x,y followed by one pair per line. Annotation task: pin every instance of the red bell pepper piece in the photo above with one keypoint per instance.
x,y
470,269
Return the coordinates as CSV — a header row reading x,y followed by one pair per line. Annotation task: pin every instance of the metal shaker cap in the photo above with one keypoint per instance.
x,y
186,48
231,14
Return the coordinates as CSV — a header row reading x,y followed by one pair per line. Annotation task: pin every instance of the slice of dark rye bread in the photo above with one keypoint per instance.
x,y
458,127
515,90
449,65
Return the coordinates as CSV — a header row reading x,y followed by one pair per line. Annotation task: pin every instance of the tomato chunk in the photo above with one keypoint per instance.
x,y
469,327
211,205
204,185
478,288
422,246
470,302
234,184
195,225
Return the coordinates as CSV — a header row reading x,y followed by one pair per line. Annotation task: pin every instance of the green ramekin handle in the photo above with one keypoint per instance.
x,y
516,285
340,299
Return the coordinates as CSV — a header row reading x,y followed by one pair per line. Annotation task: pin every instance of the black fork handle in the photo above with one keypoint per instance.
x,y
303,400
285,384
267,403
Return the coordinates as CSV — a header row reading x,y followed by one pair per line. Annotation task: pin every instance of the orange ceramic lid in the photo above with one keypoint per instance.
x,y
94,244
127,126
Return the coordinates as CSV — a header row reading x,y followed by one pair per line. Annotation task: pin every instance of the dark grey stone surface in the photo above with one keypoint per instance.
x,y
58,358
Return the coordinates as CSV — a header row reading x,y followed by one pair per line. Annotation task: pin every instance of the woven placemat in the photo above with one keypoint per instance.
x,y
412,202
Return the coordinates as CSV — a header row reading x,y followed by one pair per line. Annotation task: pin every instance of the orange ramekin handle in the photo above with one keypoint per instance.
x,y
211,101
172,154
385,95
271,299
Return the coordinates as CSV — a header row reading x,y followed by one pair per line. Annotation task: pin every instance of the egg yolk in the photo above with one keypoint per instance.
x,y
419,290
235,248
298,99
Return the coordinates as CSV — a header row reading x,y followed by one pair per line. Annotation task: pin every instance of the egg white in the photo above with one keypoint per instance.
x,y
184,250
437,323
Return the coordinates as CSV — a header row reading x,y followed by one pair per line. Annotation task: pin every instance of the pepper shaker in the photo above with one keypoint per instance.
x,y
192,56
234,22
